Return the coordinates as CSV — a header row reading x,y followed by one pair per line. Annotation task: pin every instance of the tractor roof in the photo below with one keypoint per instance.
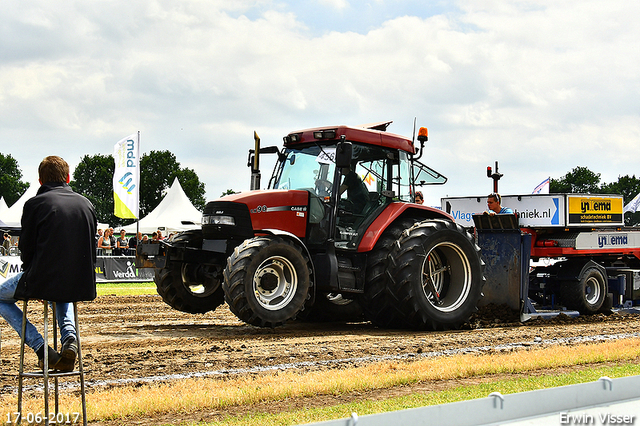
x,y
369,134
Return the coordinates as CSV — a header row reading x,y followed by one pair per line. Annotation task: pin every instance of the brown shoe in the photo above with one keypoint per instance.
x,y
68,355
54,357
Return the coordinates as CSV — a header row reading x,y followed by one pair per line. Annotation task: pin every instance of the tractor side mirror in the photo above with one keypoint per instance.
x,y
344,152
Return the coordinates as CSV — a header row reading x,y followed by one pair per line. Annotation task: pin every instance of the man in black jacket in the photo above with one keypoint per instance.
x,y
58,260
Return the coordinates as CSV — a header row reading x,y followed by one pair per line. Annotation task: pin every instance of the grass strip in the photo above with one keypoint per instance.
x,y
217,394
416,400
126,289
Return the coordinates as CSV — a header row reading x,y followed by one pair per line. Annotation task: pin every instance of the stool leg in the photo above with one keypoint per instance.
x,y
80,368
45,368
55,347
21,366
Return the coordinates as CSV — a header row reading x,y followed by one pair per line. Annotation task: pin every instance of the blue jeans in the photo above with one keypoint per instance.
x,y
13,315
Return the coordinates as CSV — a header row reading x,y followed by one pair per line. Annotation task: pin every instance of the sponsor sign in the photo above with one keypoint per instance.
x,y
9,266
535,210
607,240
121,269
108,269
595,210
544,210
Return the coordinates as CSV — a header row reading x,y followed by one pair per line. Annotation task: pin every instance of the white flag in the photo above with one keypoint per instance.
x,y
543,188
632,206
126,178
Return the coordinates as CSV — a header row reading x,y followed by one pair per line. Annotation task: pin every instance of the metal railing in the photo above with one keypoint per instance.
x,y
587,403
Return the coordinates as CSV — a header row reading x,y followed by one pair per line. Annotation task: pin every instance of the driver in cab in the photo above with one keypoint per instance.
x,y
357,192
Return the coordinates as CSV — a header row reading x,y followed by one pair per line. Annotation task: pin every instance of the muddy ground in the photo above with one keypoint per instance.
x,y
127,340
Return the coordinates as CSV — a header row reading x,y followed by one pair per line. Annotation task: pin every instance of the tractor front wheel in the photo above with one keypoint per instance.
x,y
191,288
267,280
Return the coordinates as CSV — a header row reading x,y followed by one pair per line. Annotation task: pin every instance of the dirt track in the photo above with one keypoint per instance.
x,y
140,338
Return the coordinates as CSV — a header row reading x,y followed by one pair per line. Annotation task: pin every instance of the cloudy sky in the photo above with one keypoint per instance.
x,y
539,86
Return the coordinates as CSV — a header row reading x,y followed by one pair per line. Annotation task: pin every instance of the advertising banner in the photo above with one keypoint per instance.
x,y
108,269
544,210
595,209
9,266
533,210
126,178
121,269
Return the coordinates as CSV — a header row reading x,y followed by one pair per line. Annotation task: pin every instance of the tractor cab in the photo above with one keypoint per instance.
x,y
351,175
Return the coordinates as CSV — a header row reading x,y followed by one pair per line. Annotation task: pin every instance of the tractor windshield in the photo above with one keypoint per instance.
x,y
310,168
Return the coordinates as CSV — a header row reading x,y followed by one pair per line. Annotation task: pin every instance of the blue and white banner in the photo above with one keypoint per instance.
x,y
543,187
126,178
633,205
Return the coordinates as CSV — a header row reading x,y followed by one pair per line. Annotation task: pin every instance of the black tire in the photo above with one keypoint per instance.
x,y
189,287
377,302
267,281
588,293
332,307
448,257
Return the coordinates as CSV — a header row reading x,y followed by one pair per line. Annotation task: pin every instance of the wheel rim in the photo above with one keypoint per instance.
x,y
275,283
592,290
446,277
199,280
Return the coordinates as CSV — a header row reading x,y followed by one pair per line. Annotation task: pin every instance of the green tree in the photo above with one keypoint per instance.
x,y
228,192
158,169
579,180
93,178
628,187
11,186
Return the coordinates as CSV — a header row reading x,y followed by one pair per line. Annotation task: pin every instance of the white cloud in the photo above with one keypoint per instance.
x,y
539,86
336,4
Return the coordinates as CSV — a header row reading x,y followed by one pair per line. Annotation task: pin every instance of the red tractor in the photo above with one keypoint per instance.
x,y
336,235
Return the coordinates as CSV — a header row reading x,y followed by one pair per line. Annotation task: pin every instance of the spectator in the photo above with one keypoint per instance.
x,y
419,198
133,242
145,239
104,244
6,245
58,261
154,237
98,235
122,244
112,237
160,237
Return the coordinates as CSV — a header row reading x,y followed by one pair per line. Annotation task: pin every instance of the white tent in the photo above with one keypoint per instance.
x,y
13,216
3,206
174,208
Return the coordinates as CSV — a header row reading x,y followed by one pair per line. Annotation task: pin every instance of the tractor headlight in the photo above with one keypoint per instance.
x,y
218,220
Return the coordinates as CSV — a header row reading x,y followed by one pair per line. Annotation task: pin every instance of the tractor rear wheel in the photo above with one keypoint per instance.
x,y
436,275
267,280
377,302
